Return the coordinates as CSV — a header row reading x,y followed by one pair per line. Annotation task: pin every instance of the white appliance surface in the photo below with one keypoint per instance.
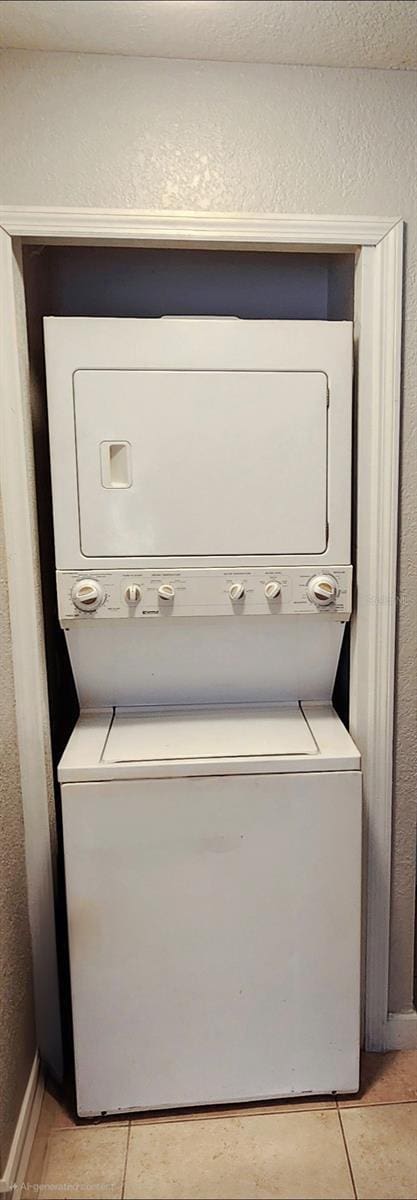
x,y
215,732
204,661
242,454
109,744
214,937
200,593
211,797
199,440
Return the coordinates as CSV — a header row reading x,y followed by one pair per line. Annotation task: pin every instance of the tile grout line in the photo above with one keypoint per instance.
x,y
226,1113
352,1178
129,1128
86,1128
37,1184
230,1115
352,1106
45,1160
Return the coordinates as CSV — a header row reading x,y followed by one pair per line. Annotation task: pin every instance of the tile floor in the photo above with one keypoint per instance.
x,y
363,1147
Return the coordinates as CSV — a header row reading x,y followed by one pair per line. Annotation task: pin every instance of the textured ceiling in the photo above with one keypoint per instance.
x,y
334,33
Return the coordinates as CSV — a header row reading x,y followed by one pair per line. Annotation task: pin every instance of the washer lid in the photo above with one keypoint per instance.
x,y
241,731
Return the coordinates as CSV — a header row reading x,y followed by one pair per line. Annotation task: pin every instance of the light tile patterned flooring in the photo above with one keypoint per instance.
x,y
363,1147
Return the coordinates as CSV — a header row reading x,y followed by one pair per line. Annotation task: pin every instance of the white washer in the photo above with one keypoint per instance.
x,y
213,889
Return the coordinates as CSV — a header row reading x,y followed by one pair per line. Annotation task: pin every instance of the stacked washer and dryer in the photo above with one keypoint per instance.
x,y
211,796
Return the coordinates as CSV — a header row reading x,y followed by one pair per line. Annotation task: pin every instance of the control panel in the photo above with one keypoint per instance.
x,y
245,592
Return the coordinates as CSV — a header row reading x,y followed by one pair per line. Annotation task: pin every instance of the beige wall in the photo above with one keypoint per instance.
x,y
17,1031
123,132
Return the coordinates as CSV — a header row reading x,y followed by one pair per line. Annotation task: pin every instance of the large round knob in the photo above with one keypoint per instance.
x,y
166,591
87,595
272,589
236,591
132,594
322,590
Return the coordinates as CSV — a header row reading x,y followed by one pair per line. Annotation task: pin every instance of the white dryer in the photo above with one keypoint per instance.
x,y
211,796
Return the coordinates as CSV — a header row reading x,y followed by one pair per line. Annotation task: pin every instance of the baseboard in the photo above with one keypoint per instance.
x,y
401,1031
15,1169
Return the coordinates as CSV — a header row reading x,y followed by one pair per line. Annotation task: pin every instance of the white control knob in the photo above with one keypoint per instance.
x,y
87,595
272,589
166,591
322,590
236,591
132,595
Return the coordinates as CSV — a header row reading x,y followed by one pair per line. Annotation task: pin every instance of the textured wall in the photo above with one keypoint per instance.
x,y
124,132
356,33
17,1033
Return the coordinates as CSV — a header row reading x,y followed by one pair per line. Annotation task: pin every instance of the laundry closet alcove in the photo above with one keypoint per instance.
x,y
339,250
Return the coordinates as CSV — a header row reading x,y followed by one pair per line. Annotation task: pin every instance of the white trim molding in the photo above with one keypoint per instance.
x,y
378,242
31,697
13,1178
378,336
267,231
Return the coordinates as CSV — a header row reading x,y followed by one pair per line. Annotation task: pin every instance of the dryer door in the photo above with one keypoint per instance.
x,y
201,463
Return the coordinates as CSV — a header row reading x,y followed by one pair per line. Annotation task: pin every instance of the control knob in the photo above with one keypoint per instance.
x,y
237,591
132,595
166,591
87,595
322,590
272,589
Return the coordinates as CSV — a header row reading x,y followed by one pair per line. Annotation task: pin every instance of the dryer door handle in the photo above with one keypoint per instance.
x,y
116,464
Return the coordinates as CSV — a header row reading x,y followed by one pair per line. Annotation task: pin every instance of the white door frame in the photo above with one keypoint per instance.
x,y
378,304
